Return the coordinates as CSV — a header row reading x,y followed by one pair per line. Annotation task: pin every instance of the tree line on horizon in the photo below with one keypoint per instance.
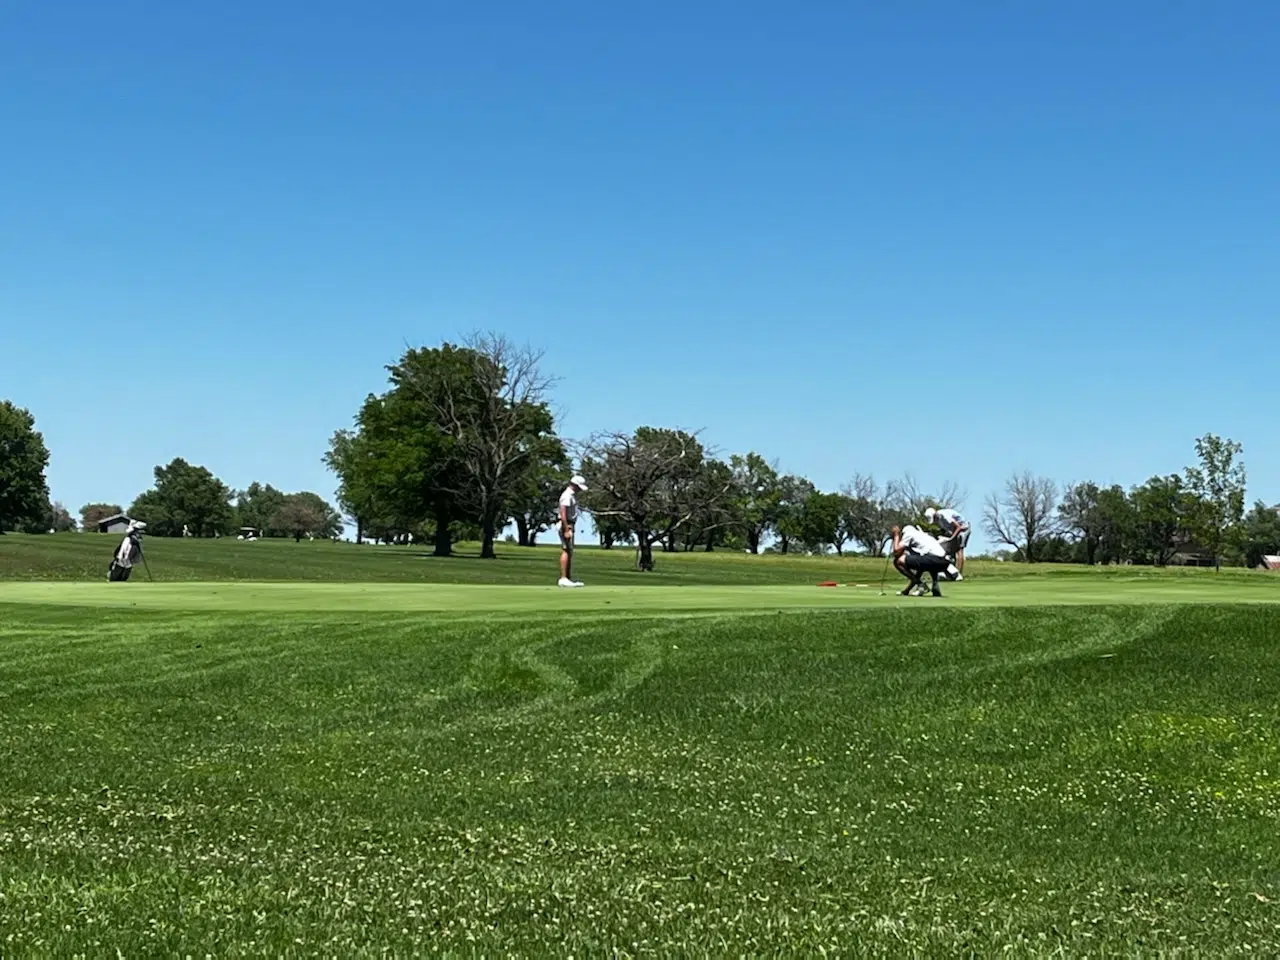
x,y
463,442
462,445
1196,516
186,500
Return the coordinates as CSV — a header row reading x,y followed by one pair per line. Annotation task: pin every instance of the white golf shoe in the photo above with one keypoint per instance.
x,y
565,582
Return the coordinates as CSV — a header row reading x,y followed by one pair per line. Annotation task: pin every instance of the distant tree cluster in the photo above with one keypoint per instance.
x,y
1196,516
188,500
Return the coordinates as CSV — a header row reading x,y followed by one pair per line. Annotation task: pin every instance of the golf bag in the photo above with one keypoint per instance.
x,y
127,554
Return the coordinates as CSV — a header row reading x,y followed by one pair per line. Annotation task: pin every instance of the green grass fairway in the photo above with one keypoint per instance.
x,y
84,557
469,599
280,769
322,749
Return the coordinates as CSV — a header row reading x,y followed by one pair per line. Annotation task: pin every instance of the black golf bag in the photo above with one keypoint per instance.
x,y
128,554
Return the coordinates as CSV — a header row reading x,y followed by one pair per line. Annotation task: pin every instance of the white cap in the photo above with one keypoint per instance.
x,y
578,481
928,514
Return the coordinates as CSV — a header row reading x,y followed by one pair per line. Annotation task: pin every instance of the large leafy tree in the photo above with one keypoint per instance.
x,y
793,492
1217,486
151,508
418,466
341,459
1261,536
187,496
492,405
256,505
397,470
462,437
755,497
91,514
24,494
1116,525
1161,510
353,455
1081,519
821,521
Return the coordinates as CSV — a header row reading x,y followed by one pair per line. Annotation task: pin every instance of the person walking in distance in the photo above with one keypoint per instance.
x,y
568,527
955,533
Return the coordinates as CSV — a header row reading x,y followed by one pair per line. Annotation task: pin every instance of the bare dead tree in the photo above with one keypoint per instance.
x,y
863,486
652,481
907,496
1024,515
495,413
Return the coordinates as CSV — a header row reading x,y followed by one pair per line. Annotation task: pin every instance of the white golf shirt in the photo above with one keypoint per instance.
x,y
569,500
948,521
920,543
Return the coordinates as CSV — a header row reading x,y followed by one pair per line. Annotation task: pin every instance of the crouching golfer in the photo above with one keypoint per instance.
x,y
915,553
568,525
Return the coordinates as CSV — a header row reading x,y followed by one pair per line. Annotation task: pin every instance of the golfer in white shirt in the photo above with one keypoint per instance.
x,y
568,527
916,553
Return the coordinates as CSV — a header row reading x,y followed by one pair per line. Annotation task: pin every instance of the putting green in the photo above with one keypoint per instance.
x,y
655,600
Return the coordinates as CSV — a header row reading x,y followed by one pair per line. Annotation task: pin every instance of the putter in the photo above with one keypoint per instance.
x,y
147,567
884,572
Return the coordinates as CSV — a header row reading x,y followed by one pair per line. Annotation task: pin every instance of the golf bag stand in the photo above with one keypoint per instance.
x,y
127,555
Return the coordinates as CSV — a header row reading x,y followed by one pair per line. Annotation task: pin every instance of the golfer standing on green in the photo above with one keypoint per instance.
x,y
568,527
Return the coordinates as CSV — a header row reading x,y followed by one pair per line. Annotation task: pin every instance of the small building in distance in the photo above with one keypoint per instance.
x,y
1269,563
118,523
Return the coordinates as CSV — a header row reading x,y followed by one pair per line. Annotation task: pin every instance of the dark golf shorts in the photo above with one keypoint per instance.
x,y
566,543
925,564
957,542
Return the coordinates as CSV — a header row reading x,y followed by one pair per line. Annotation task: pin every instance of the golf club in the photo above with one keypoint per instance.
x,y
147,567
884,572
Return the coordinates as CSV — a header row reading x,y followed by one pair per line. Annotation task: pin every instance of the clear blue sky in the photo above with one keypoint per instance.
x,y
954,239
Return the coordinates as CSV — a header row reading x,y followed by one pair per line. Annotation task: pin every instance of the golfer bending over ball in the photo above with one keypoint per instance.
x,y
568,526
955,533
915,553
